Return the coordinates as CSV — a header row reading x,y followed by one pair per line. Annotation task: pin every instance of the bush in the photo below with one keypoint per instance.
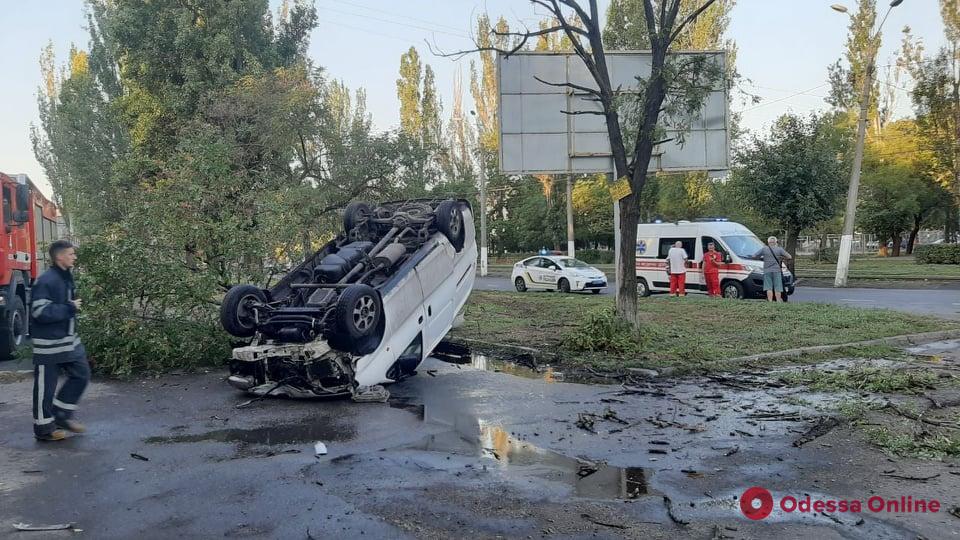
x,y
828,254
595,256
602,331
937,254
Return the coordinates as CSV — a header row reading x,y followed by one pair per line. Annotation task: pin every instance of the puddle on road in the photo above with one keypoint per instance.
x,y
519,366
266,435
587,479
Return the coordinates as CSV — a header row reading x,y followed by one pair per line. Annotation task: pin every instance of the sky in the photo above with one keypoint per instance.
x,y
784,47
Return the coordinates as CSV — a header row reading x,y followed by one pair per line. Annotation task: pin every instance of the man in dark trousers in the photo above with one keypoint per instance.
x,y
56,347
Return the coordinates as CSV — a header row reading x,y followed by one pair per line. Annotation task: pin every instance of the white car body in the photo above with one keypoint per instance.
x,y
422,301
550,272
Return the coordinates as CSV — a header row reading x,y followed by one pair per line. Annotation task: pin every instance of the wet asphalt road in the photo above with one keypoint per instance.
x,y
942,302
457,453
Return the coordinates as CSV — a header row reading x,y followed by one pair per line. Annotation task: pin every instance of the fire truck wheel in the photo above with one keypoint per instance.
x,y
450,223
14,329
235,314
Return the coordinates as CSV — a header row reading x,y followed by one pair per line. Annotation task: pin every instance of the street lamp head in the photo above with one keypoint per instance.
x,y
842,8
895,3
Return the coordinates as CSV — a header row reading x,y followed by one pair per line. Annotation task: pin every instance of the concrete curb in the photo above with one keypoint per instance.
x,y
908,339
15,376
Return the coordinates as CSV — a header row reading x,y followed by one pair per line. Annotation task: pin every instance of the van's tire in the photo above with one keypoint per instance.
x,y
235,314
563,285
732,290
449,217
14,329
643,290
520,284
357,319
353,215
595,291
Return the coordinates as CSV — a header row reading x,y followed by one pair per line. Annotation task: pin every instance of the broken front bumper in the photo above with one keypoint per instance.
x,y
293,370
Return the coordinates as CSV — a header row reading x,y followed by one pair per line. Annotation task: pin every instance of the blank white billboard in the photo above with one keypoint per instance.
x,y
537,137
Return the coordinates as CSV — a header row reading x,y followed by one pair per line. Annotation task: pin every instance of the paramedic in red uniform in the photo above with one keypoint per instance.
x,y
711,269
677,268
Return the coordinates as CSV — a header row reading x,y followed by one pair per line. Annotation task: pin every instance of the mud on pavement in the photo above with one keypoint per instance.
x,y
465,452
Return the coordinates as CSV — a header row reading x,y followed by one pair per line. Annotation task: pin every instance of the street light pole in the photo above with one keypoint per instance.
x,y
849,217
483,208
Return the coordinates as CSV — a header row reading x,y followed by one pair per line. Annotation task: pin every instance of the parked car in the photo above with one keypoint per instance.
x,y
741,276
364,310
564,274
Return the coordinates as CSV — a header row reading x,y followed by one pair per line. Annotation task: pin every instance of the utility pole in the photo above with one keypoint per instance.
x,y
850,216
570,242
483,216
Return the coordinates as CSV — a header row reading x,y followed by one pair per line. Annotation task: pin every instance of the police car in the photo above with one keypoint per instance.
x,y
554,273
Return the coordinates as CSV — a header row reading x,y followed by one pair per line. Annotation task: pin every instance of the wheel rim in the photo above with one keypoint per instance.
x,y
364,313
244,312
16,324
519,284
641,288
731,292
565,286
456,222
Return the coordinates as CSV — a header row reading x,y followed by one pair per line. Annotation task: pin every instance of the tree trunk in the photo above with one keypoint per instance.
x,y
897,239
912,239
790,244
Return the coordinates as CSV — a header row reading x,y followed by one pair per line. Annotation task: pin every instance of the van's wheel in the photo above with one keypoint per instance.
x,y
236,314
449,218
14,329
357,319
643,290
733,290
563,285
356,215
520,284
595,291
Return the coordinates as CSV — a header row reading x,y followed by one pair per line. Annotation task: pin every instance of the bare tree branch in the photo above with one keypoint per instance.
x,y
690,18
586,89
574,113
528,34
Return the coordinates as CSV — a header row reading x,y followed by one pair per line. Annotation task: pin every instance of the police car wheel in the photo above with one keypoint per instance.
x,y
564,286
520,284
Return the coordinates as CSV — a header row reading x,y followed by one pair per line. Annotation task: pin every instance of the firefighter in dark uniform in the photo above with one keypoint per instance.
x,y
56,347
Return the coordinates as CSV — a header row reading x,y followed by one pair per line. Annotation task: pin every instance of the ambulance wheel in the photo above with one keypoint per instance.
x,y
595,291
564,286
520,284
643,290
450,223
14,329
733,290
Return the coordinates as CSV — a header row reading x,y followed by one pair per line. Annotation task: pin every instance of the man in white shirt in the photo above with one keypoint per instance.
x,y
677,268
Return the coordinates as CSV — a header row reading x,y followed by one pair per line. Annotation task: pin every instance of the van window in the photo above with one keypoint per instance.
x,y
689,244
707,239
745,246
7,205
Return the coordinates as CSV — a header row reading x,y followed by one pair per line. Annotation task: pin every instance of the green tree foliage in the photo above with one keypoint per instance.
x,y
846,81
936,99
408,91
793,176
196,148
899,195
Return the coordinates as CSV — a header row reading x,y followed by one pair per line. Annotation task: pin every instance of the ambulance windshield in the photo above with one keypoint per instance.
x,y
744,246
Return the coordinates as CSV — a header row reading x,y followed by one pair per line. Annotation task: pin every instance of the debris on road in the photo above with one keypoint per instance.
x,y
29,527
821,428
673,517
916,478
595,521
585,421
134,455
319,449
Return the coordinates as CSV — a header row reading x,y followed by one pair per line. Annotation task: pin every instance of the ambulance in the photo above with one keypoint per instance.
x,y
741,276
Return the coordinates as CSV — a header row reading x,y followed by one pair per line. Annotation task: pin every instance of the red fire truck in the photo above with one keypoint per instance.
x,y
29,225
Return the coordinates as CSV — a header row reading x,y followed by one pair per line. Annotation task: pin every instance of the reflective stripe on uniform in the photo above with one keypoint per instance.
x,y
39,304
39,419
52,342
57,350
64,406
